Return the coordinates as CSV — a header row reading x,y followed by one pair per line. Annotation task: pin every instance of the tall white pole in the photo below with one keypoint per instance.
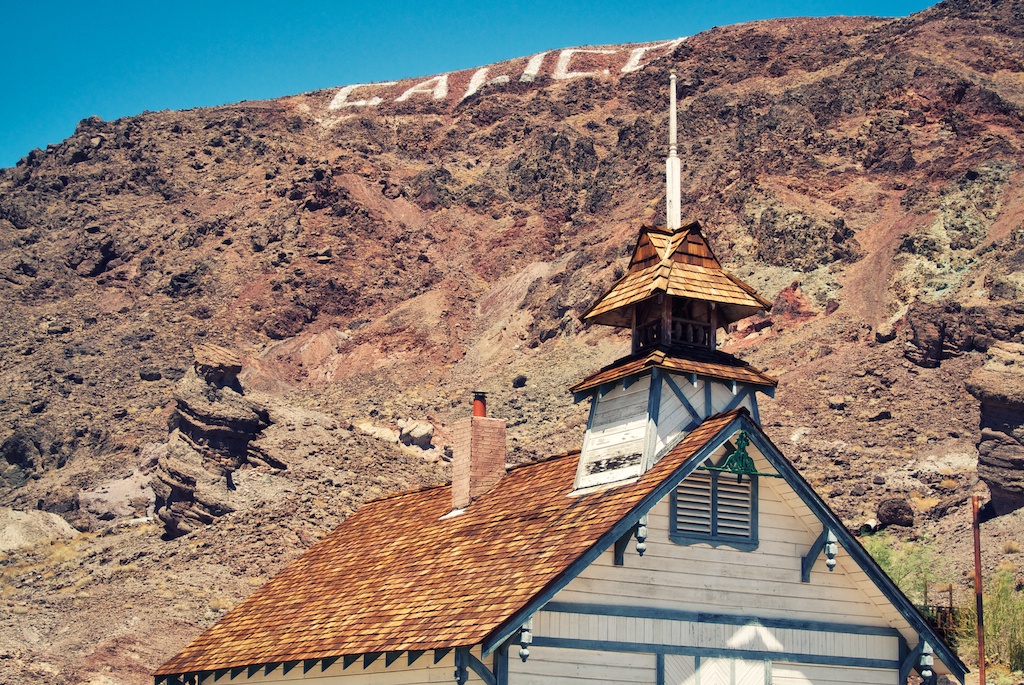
x,y
673,170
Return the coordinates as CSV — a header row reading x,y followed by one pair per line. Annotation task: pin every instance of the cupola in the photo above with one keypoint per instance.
x,y
674,298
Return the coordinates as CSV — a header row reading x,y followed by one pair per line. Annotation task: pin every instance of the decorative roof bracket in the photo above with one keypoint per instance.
x,y
826,543
739,462
525,639
641,535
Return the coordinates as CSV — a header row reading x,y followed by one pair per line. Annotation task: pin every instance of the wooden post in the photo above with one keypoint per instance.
x,y
979,604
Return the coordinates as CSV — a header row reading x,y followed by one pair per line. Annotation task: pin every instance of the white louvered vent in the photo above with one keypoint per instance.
x,y
693,504
734,516
712,506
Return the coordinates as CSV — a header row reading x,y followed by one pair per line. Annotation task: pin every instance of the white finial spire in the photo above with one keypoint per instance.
x,y
673,172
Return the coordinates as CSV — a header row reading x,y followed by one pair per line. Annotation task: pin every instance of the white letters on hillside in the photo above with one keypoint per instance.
x,y
341,97
562,66
532,68
480,79
636,54
437,87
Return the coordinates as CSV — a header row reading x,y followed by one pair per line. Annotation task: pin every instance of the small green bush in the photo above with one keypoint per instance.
x,y
910,564
1004,621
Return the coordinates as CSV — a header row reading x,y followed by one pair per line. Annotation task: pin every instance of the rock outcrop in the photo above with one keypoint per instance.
x,y
26,528
999,385
212,429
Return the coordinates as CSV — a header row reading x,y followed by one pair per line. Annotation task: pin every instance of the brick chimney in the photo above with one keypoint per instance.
x,y
478,458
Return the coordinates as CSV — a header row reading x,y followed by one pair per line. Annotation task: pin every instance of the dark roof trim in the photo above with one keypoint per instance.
x,y
854,548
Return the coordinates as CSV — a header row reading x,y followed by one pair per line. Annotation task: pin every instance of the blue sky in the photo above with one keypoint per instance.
x,y
64,61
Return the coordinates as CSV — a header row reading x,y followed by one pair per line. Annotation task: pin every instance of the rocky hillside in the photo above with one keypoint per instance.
x,y
223,326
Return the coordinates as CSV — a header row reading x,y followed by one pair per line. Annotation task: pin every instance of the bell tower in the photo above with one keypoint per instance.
x,y
674,298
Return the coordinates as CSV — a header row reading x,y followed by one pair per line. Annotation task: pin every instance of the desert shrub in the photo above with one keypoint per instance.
x,y
910,563
1004,621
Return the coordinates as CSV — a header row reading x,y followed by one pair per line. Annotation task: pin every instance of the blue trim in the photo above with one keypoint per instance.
x,y
708,400
328,662
253,670
480,669
414,654
620,549
369,658
348,660
307,666
500,667
237,671
722,619
269,668
738,399
715,652
287,666
440,654
620,528
678,392
853,548
461,665
807,562
390,658
659,669
220,673
630,380
910,660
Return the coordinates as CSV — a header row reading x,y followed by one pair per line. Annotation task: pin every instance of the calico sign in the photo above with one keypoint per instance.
x,y
560,66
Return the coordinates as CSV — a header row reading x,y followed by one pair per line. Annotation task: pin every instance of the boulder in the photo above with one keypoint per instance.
x,y
418,433
27,528
895,511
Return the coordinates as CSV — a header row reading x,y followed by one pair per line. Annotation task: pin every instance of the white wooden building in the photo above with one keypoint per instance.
x,y
678,547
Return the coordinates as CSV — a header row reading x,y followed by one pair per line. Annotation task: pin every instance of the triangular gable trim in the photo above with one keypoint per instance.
x,y
511,625
806,493
860,555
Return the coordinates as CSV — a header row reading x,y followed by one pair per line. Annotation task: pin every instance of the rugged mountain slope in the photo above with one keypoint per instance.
x,y
374,253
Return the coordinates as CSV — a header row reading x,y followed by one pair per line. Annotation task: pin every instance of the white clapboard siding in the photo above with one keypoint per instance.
x,y
797,508
616,429
803,674
693,393
764,582
548,665
672,418
710,635
721,396
422,672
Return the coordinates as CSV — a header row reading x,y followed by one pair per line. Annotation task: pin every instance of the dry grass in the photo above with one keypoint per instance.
x,y
1011,547
221,603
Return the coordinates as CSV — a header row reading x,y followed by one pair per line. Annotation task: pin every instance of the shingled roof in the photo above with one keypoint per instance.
x,y
399,576
678,263
703,362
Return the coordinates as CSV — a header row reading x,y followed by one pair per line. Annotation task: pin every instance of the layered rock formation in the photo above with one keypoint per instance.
x,y
212,429
999,386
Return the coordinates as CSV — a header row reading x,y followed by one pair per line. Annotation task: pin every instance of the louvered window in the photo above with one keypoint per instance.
x,y
713,507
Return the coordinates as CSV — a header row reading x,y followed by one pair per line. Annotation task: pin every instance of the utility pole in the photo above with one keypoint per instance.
x,y
979,605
